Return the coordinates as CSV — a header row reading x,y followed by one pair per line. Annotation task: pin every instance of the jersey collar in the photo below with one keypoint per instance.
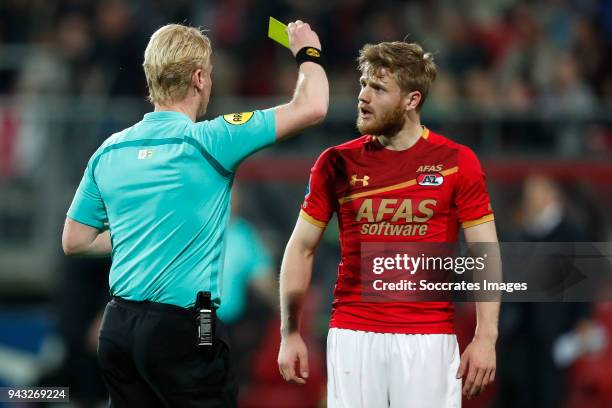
x,y
373,139
166,115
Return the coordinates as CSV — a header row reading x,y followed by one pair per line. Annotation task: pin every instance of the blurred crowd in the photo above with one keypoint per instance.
x,y
499,55
508,61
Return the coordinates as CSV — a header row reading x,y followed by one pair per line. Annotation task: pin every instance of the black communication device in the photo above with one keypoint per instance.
x,y
205,319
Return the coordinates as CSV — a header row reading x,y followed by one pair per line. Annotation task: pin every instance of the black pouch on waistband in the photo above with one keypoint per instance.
x,y
205,319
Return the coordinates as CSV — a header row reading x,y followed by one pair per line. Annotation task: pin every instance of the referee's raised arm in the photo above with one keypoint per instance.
x,y
311,97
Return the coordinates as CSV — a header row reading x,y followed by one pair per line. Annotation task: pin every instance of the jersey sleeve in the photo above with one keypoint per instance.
x,y
231,138
471,197
87,206
320,201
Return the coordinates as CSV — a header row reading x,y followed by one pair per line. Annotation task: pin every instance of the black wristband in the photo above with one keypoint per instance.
x,y
309,54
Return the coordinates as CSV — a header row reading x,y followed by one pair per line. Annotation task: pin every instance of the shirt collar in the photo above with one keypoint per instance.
x,y
166,115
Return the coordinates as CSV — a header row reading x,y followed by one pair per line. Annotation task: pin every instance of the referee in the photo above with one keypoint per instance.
x,y
156,196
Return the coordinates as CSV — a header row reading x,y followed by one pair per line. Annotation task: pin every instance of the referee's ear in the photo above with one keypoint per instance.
x,y
197,79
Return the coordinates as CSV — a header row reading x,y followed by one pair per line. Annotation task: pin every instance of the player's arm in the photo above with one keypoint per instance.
x,y
296,270
479,358
487,312
311,97
81,239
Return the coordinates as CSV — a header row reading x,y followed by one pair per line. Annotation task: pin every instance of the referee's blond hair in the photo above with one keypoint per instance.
x,y
173,53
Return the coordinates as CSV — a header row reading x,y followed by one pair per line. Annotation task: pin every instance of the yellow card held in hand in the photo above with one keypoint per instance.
x,y
278,32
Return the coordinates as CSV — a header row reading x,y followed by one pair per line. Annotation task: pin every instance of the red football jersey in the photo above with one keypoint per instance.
x,y
421,194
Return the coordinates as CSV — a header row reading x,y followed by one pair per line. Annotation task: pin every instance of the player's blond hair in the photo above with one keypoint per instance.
x,y
412,68
173,53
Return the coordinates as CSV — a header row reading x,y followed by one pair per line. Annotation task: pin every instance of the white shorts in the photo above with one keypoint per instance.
x,y
382,370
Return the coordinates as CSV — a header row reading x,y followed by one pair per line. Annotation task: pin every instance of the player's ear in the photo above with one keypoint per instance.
x,y
412,100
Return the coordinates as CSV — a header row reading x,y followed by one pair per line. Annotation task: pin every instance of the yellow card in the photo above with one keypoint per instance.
x,y
278,32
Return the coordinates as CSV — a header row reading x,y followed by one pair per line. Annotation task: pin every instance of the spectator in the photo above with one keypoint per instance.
x,y
528,374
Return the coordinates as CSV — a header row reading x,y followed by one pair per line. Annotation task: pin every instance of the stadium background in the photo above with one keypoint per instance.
x,y
527,85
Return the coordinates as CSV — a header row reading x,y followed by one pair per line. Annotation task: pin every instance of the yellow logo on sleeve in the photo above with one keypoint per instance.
x,y
238,118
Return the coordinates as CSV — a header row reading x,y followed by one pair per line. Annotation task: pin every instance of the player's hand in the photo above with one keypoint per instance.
x,y
293,354
301,35
479,362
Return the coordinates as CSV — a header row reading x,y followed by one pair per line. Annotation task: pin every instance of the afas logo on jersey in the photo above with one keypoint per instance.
x,y
429,167
430,179
238,118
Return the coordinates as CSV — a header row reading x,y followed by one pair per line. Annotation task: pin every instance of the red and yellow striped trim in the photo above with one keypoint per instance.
x,y
481,220
312,220
425,133
405,184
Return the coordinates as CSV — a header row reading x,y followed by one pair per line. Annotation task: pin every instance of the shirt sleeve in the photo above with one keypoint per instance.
x,y
471,197
320,201
231,138
87,206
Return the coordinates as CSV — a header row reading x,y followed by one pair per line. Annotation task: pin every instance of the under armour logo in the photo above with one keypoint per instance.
x,y
363,181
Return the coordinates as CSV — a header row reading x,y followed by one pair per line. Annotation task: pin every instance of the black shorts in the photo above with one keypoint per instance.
x,y
149,358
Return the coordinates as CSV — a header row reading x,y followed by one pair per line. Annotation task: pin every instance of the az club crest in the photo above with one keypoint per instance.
x,y
430,179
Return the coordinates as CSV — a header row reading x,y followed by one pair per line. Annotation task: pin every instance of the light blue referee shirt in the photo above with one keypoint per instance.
x,y
163,188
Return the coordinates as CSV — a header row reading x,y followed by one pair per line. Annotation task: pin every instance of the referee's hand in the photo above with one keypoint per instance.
x,y
293,359
301,35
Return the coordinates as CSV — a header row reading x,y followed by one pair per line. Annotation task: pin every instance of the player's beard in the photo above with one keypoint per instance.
x,y
390,123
